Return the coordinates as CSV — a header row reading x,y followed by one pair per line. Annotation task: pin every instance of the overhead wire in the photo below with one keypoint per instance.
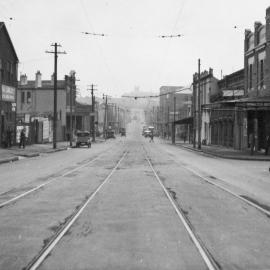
x,y
99,45
165,54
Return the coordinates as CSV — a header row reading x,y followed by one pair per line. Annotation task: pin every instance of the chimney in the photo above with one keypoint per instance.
x,y
23,79
38,82
211,71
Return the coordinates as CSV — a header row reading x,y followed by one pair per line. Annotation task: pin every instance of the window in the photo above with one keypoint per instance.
x,y
28,99
261,74
22,97
250,76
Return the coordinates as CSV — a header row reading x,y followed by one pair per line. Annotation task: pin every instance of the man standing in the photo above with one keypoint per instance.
x,y
22,138
267,144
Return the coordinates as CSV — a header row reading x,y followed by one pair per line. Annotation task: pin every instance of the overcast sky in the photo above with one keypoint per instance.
x,y
131,54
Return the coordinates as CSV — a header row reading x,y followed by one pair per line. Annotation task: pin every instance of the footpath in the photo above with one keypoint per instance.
x,y
15,153
222,152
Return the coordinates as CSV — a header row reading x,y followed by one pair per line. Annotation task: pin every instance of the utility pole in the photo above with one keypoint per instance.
x,y
55,52
105,117
72,97
173,125
92,125
199,104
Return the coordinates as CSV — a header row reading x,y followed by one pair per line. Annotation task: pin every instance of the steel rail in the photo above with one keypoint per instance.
x,y
250,203
50,181
206,258
37,261
234,194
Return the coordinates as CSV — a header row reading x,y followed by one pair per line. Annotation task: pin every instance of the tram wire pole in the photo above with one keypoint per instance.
x,y
92,123
199,105
55,52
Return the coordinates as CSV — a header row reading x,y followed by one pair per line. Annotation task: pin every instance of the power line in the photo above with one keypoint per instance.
x,y
94,34
164,94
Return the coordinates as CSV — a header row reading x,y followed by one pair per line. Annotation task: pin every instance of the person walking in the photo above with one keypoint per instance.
x,y
22,138
252,143
9,137
267,144
151,137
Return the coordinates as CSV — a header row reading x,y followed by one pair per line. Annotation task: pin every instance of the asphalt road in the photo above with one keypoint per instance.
x,y
132,204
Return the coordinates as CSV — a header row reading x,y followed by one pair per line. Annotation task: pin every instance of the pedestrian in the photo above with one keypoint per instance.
x,y
267,144
151,137
22,138
252,143
9,137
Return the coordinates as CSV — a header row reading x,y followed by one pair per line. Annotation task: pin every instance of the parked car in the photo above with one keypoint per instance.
x,y
147,133
123,132
110,134
82,138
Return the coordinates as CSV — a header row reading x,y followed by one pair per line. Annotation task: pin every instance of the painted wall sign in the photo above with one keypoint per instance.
x,y
8,93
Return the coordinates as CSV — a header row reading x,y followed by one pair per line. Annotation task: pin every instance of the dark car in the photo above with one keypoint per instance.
x,y
82,138
123,132
110,134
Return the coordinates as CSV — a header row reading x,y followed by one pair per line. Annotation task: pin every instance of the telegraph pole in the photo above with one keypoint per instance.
x,y
105,116
173,125
199,104
55,52
92,125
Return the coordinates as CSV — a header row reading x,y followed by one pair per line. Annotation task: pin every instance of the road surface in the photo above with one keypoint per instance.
x,y
133,204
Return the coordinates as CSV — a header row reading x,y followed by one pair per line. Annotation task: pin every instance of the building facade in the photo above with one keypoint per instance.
x,y
225,117
174,105
8,88
35,99
256,104
208,87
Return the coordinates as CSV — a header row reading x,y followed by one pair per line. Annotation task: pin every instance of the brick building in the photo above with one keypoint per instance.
x,y
225,117
208,87
35,107
168,112
256,104
8,87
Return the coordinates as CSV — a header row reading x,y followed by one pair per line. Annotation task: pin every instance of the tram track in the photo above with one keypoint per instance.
x,y
31,190
206,256
244,198
49,246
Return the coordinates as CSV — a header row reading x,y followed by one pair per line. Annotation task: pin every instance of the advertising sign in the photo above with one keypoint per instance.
x,y
8,93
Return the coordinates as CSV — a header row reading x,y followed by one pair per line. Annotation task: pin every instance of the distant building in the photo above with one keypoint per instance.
x,y
174,106
8,86
208,87
35,99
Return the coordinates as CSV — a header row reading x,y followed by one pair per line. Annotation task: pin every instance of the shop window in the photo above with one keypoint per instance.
x,y
28,99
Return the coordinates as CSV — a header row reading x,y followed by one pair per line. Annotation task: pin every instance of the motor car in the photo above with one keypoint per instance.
x,y
82,138
147,133
123,132
110,134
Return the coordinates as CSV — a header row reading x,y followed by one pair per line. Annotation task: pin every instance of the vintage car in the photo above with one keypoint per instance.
x,y
82,138
110,134
123,131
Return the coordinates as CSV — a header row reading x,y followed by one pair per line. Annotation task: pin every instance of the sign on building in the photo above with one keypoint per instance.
x,y
8,93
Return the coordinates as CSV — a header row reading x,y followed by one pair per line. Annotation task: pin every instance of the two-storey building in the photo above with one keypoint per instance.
x,y
8,87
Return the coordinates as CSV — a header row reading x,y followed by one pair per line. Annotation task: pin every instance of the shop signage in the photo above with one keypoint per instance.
x,y
8,93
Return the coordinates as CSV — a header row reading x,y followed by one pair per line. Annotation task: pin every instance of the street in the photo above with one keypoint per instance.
x,y
131,204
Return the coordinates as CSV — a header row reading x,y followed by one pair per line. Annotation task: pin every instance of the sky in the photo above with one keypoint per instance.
x,y
131,54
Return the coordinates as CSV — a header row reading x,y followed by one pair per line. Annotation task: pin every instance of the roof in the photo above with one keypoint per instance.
x,y
46,84
3,26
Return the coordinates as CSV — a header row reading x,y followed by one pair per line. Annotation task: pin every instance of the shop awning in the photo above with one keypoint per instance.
x,y
184,121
